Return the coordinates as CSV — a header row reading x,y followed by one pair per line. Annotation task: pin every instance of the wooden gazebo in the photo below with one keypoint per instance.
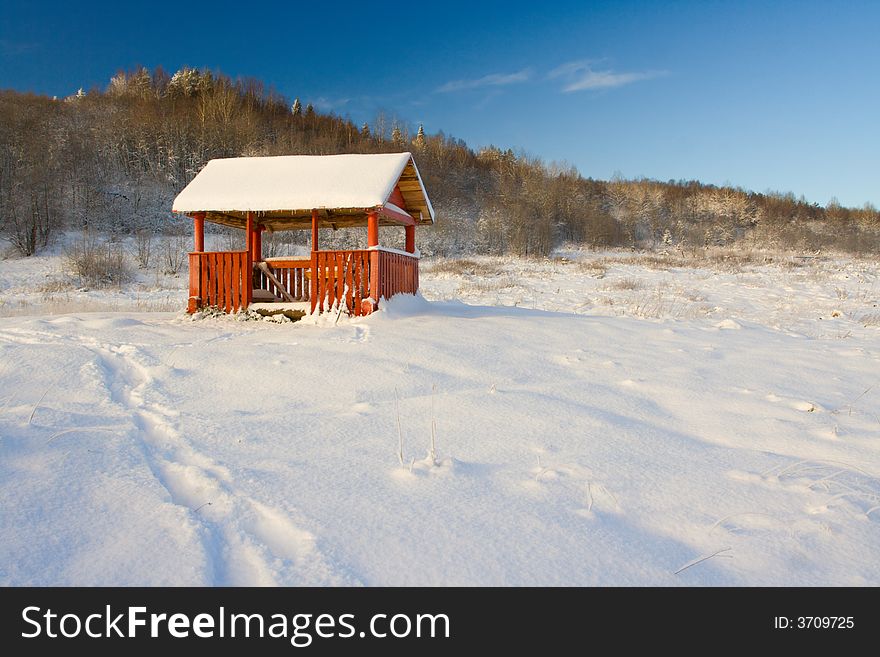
x,y
298,192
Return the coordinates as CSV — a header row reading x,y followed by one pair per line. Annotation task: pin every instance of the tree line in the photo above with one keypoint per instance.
x,y
113,160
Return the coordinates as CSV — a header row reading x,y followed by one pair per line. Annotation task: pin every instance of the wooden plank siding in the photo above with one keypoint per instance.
x,y
340,277
219,280
399,274
355,277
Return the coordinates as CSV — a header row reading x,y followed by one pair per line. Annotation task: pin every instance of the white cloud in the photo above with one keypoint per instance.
x,y
581,76
491,80
570,68
330,104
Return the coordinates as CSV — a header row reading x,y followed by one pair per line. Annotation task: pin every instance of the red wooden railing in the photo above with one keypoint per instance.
x,y
292,273
340,276
399,274
219,278
360,278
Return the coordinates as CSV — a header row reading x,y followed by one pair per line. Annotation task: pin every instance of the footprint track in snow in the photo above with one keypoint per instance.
x,y
249,542
361,334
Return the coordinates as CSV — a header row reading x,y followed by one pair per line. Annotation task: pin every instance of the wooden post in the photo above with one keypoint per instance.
x,y
313,280
195,295
249,232
195,263
369,305
247,276
199,231
258,242
410,239
314,230
373,228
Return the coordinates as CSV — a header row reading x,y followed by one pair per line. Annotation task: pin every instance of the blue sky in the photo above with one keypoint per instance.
x,y
782,96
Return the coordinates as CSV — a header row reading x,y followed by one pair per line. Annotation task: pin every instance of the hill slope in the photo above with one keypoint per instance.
x,y
113,160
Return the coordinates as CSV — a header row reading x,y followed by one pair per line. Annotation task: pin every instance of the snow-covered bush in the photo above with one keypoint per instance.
x,y
98,264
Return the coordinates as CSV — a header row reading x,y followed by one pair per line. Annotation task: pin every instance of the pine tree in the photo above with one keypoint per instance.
x,y
419,141
396,136
296,108
184,82
310,110
365,131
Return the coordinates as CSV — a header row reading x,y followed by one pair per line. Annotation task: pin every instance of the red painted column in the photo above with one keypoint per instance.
x,y
195,295
369,305
373,228
258,242
314,289
410,239
199,231
247,276
314,230
249,233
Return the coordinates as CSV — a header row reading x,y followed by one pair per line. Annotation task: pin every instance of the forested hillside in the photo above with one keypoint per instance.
x,y
114,159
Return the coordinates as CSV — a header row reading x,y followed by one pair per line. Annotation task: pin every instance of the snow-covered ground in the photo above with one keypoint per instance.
x,y
608,418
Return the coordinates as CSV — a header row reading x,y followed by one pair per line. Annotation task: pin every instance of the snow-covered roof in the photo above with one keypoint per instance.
x,y
289,187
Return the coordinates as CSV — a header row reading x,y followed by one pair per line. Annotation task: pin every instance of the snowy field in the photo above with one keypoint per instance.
x,y
603,418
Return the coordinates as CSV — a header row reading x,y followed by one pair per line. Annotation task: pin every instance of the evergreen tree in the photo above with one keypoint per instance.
x,y
419,141
296,108
365,131
184,82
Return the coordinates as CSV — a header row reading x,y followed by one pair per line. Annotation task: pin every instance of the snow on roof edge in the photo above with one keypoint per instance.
x,y
296,182
390,187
